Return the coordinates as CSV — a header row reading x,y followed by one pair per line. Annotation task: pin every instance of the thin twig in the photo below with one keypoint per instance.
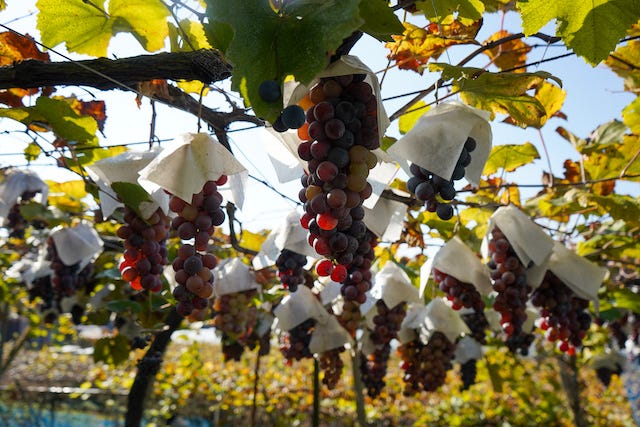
x,y
235,244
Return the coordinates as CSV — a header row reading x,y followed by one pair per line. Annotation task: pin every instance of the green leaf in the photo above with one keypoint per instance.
x,y
189,36
387,141
408,120
111,350
145,19
499,93
591,28
132,195
444,11
65,122
34,211
510,157
82,27
379,20
624,298
618,206
295,42
67,196
631,116
32,151
623,64
124,305
86,27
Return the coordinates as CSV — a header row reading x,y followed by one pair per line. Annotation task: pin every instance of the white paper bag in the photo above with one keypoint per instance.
x,y
440,317
185,167
14,183
457,260
124,168
467,349
436,140
231,276
74,244
581,276
530,243
297,307
328,335
393,286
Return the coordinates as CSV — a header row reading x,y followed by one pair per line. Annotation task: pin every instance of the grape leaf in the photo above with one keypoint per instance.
x,y
120,306
132,195
510,157
16,48
624,298
592,29
443,11
82,27
13,97
86,27
67,196
95,109
618,206
622,63
57,115
504,93
507,55
145,19
297,41
379,20
408,120
631,116
413,49
32,151
65,122
111,350
491,6
551,97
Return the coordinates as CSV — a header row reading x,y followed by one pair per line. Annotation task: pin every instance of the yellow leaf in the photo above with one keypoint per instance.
x,y
417,45
508,55
409,119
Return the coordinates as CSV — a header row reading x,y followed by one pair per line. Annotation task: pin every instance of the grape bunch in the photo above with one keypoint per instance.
x,y
236,314
478,325
468,372
604,374
42,288
295,342
331,365
145,249
263,342
65,277
460,294
510,282
292,117
387,323
16,223
373,368
291,269
564,314
195,225
425,365
231,349
434,190
340,131
357,283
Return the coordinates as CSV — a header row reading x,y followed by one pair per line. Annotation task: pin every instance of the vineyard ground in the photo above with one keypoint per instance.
x,y
194,381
